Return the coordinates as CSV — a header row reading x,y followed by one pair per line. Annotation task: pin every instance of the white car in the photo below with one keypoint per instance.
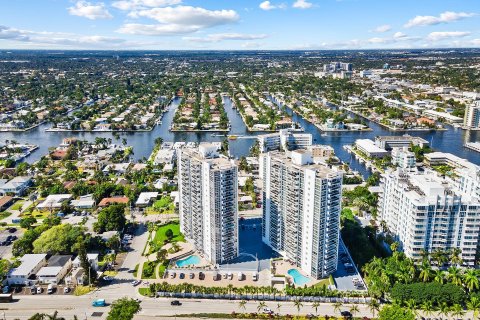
x,y
136,282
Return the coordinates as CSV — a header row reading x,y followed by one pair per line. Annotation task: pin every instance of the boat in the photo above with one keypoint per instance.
x,y
218,135
232,137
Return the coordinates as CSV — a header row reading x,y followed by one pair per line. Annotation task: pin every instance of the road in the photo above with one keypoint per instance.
x,y
152,308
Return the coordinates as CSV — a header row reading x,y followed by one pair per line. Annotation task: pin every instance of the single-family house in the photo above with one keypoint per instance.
x,y
16,186
53,201
108,201
83,202
145,198
92,259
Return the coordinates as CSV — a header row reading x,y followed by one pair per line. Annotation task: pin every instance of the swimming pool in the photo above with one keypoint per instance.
x,y
298,278
191,260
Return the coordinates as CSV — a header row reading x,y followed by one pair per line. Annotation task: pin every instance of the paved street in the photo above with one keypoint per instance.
x,y
68,306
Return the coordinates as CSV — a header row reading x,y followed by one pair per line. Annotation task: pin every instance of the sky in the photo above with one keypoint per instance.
x,y
238,24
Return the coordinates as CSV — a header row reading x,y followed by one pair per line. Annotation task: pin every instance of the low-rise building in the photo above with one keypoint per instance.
x,y
29,266
92,259
54,201
17,186
390,142
56,269
403,158
368,147
145,198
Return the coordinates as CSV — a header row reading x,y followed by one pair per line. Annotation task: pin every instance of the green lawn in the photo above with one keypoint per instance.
x,y
160,236
148,270
5,214
163,206
17,205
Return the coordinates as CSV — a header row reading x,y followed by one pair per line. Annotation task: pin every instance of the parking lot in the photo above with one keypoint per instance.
x,y
34,290
7,237
347,276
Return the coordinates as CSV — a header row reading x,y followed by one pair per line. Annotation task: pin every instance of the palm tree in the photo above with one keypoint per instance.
x,y
457,310
455,256
471,280
439,276
315,306
337,306
261,305
425,271
298,304
242,304
374,306
455,275
354,309
427,307
279,305
439,257
412,306
444,309
474,305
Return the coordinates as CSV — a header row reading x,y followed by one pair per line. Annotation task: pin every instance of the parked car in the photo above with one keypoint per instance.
x,y
175,303
346,314
66,290
136,282
182,275
192,275
39,290
50,288
99,303
33,290
12,230
6,289
172,274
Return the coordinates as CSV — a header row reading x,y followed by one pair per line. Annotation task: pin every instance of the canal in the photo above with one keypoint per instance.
x,y
451,140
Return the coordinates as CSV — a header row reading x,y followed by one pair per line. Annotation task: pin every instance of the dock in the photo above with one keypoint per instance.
x,y
475,146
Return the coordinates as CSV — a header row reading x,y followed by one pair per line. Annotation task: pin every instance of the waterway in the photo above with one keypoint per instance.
x,y
143,142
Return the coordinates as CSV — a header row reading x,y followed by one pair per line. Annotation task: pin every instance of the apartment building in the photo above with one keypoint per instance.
x,y
301,212
471,119
208,202
284,139
428,212
403,158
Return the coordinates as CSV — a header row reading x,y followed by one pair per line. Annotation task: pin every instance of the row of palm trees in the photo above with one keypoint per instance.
x,y
443,309
298,304
382,274
249,290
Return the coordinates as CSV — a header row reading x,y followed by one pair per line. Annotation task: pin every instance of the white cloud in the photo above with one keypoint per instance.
x,y
90,11
441,35
399,35
302,4
383,28
378,40
136,4
217,37
446,17
62,39
267,5
178,20
475,42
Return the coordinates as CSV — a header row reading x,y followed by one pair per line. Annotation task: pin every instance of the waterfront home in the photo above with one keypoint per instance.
x,y
17,186
54,201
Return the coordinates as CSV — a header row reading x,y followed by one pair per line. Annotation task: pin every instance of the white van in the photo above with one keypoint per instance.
x,y
50,288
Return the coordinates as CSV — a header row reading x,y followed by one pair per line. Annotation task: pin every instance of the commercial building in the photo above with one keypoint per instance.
x,y
428,212
471,119
56,269
208,202
367,147
390,142
301,212
284,139
29,266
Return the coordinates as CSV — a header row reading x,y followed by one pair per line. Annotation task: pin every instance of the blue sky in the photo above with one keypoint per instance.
x,y
238,24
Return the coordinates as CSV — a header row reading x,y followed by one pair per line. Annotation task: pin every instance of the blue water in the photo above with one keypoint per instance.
x,y
298,278
192,260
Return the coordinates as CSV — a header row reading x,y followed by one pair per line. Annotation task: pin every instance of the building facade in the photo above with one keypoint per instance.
x,y
301,212
472,116
428,212
208,202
